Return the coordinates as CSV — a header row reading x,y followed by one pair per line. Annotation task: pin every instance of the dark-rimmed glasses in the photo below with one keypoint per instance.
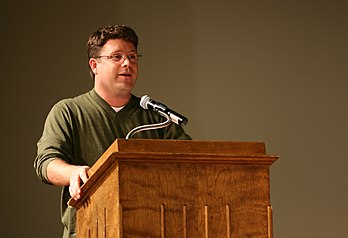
x,y
118,57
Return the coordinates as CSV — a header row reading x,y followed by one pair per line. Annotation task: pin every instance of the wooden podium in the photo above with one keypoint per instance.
x,y
176,188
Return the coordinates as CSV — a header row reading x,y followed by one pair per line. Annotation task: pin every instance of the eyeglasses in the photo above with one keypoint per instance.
x,y
133,58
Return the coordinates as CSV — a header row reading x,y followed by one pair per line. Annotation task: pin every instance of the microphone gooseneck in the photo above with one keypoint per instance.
x,y
149,126
171,116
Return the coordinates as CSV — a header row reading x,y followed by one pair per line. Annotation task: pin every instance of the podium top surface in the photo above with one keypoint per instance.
x,y
186,151
188,146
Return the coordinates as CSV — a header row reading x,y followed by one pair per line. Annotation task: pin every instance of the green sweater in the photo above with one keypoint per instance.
x,y
79,130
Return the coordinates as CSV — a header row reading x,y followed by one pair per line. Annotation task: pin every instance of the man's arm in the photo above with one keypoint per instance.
x,y
60,173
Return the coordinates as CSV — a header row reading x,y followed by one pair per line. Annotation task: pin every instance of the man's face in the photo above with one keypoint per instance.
x,y
115,76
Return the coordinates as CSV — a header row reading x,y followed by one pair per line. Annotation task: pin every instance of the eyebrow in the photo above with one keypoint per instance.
x,y
120,51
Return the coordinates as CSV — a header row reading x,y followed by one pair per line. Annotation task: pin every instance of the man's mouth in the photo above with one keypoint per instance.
x,y
125,75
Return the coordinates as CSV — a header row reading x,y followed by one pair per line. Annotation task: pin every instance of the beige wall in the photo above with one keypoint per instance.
x,y
240,70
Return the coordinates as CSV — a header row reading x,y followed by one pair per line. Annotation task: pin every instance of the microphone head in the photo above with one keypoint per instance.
x,y
144,100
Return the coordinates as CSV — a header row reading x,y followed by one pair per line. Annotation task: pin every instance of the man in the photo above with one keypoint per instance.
x,y
78,130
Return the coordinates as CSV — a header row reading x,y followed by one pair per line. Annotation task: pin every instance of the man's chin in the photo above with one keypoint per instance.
x,y
123,85
125,90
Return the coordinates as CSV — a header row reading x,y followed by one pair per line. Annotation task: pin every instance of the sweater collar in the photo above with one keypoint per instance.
x,y
131,103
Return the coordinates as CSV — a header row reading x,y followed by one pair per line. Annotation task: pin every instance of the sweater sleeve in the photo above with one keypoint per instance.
x,y
56,140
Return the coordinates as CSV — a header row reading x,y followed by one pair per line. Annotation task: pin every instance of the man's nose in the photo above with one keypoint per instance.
x,y
126,61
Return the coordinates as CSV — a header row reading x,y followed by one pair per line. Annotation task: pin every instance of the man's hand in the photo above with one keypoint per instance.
x,y
61,173
77,178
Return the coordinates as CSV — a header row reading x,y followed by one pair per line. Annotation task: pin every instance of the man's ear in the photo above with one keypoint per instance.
x,y
93,65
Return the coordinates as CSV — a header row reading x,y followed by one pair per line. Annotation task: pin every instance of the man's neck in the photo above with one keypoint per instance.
x,y
114,100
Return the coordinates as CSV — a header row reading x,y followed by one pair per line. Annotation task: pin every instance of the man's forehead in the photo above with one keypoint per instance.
x,y
118,45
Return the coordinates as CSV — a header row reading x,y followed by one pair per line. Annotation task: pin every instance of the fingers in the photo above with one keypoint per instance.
x,y
78,177
83,173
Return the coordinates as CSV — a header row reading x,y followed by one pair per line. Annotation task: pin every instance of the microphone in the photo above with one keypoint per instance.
x,y
147,103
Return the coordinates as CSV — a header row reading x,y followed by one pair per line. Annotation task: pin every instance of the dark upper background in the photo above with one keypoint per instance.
x,y
240,70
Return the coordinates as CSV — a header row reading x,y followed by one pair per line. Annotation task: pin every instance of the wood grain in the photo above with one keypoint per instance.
x,y
164,190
